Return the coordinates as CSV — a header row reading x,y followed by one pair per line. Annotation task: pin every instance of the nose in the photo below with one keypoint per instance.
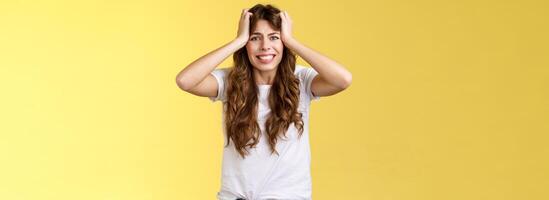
x,y
265,45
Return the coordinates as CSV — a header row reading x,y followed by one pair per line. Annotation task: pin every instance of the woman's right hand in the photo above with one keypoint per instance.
x,y
243,33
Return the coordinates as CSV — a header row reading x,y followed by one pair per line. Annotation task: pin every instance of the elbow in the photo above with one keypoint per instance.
x,y
347,80
182,83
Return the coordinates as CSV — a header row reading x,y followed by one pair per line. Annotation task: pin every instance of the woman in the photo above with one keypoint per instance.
x,y
266,99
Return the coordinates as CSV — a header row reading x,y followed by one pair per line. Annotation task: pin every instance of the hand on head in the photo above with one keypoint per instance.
x,y
244,25
243,33
286,26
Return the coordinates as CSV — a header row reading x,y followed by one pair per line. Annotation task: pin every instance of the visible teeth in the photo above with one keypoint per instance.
x,y
268,57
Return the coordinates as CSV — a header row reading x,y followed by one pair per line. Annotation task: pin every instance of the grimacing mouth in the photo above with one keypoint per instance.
x,y
258,56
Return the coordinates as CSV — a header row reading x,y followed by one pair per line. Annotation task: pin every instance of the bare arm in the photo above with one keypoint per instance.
x,y
196,78
332,77
197,71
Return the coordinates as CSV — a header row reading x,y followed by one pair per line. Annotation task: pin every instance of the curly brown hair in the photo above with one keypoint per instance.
x,y
242,94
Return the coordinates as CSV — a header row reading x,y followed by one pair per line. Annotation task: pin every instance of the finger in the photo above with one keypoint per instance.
x,y
287,16
248,15
244,11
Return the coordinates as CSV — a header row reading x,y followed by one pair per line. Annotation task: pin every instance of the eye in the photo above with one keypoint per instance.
x,y
253,38
274,38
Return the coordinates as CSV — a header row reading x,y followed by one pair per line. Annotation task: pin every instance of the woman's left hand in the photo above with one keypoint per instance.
x,y
286,26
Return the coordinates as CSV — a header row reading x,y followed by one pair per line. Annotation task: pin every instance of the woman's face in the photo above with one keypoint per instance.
x,y
264,47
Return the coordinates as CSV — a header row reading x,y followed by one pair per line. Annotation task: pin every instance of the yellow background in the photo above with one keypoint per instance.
x,y
449,100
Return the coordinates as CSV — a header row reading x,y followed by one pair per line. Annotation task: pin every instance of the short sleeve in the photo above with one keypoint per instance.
x,y
220,76
306,76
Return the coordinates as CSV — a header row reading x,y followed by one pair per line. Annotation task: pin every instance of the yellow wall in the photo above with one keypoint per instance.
x,y
450,100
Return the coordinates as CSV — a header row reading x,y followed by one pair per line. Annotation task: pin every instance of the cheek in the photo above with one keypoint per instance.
x,y
280,47
249,48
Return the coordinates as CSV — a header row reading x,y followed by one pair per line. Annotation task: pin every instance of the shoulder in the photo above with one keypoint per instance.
x,y
299,69
306,76
221,73
304,73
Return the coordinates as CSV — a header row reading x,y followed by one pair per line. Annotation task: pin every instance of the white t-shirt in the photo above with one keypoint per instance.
x,y
261,175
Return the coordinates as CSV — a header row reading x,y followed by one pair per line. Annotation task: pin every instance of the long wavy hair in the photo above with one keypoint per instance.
x,y
242,94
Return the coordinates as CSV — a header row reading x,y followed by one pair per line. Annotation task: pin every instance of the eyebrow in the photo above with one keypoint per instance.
x,y
258,33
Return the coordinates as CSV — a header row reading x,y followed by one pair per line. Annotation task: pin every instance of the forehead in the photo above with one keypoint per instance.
x,y
263,27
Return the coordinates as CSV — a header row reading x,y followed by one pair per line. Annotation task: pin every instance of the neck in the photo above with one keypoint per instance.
x,y
264,77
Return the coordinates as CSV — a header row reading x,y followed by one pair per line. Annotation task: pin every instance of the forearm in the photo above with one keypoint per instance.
x,y
331,71
195,72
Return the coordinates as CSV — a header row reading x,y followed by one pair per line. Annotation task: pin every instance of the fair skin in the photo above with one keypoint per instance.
x,y
264,41
196,79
